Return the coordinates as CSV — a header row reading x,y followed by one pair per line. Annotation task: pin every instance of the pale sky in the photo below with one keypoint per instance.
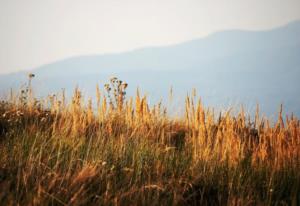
x,y
37,32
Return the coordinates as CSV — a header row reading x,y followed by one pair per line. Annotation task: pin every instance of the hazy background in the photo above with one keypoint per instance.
x,y
36,32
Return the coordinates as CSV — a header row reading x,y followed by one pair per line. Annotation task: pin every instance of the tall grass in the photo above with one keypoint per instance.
x,y
125,152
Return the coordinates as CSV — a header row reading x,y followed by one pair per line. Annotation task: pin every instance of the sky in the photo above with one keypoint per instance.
x,y
37,32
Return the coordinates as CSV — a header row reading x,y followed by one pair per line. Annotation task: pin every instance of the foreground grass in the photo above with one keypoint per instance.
x,y
127,153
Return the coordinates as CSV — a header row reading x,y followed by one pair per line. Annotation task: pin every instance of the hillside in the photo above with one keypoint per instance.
x,y
129,152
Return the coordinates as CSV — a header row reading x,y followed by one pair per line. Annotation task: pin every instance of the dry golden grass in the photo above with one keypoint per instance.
x,y
124,152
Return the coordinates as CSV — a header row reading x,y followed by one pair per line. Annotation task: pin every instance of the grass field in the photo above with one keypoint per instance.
x,y
124,152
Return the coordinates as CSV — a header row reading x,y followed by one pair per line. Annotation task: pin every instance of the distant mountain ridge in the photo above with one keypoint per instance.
x,y
227,68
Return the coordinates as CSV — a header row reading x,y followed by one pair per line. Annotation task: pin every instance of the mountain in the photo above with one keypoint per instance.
x,y
227,68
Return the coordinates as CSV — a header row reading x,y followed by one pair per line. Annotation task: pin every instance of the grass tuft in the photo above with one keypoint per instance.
x,y
126,152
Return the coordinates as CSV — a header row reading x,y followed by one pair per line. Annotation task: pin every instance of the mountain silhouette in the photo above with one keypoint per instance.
x,y
227,68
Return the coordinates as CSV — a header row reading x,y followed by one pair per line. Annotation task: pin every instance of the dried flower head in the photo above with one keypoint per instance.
x,y
113,79
31,75
125,85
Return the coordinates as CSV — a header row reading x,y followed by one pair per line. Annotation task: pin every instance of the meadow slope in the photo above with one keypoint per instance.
x,y
125,152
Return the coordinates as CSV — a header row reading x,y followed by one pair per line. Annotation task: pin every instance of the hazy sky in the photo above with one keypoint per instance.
x,y
36,32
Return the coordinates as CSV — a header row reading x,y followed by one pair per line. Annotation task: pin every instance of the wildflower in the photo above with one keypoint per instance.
x,y
107,87
124,85
113,79
31,75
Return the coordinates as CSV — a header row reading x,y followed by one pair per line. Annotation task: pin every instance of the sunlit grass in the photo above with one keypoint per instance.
x,y
124,152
